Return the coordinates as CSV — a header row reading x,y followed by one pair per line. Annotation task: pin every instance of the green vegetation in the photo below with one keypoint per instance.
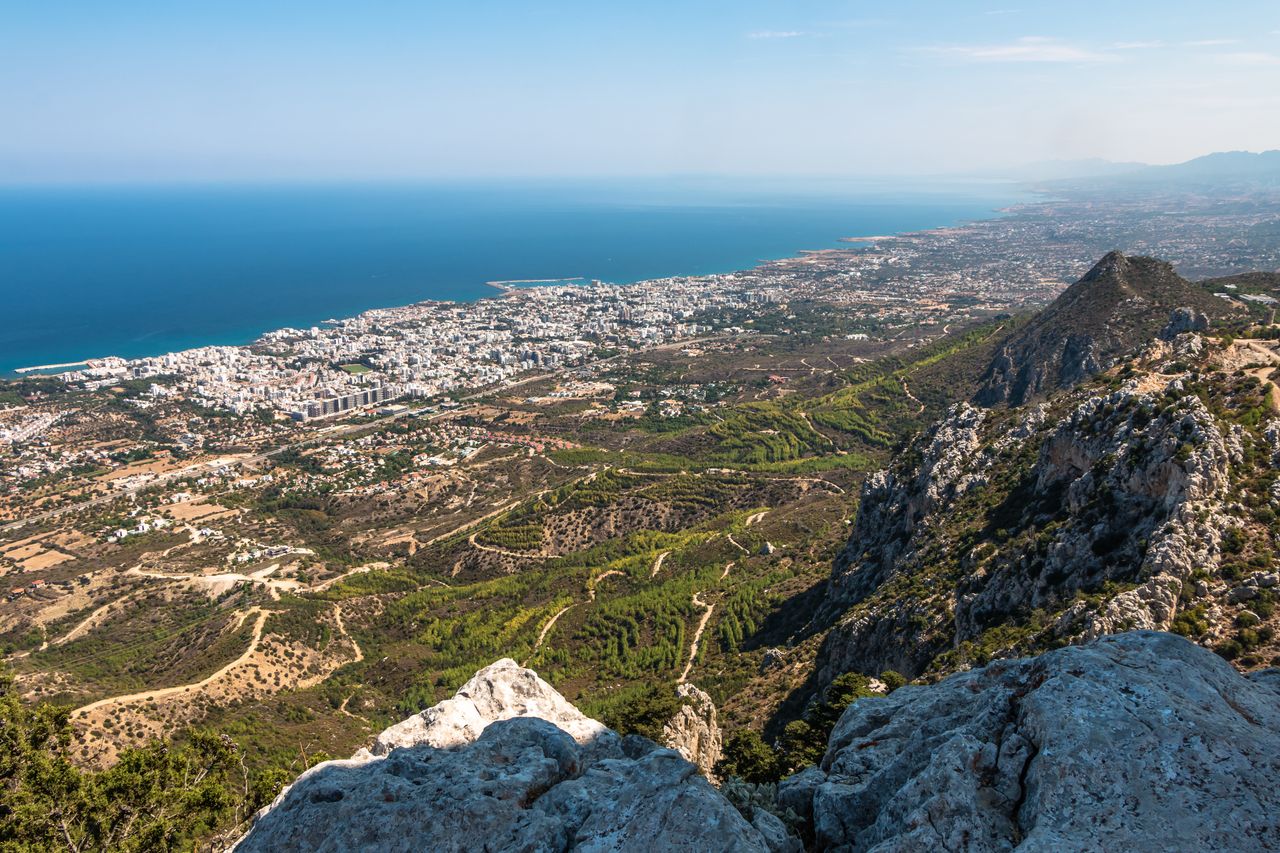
x,y
156,798
803,741
156,643
642,710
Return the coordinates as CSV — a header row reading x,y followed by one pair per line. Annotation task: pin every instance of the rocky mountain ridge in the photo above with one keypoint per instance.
x,y
1139,741
1004,532
1116,474
509,764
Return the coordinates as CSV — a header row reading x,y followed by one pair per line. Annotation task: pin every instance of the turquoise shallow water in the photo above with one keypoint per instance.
x,y
136,271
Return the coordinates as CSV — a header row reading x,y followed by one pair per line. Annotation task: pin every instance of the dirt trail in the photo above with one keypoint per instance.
x,y
736,543
657,564
817,480
1246,352
162,692
591,588
1262,374
906,390
507,506
756,517
87,623
337,617
697,635
358,570
343,709
545,629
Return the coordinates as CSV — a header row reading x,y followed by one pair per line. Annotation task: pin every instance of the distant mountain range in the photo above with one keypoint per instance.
x,y
1223,169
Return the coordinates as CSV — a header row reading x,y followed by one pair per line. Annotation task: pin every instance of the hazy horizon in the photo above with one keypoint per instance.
x,y
141,91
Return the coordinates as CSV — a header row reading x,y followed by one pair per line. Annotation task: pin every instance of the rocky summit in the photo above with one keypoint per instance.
x,y
1139,741
508,764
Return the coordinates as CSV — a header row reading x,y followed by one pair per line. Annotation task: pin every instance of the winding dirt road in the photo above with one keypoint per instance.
x,y
545,630
162,692
708,609
657,564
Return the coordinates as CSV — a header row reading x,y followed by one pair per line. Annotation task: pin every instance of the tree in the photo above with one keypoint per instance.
x,y
646,715
158,797
803,742
749,758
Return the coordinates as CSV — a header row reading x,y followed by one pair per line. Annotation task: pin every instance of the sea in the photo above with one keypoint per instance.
x,y
87,272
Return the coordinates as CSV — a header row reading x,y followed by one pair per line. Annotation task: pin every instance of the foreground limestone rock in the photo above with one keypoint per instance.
x,y
694,731
500,691
1139,741
506,765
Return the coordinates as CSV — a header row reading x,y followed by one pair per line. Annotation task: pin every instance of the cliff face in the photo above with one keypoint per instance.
x,y
1011,531
694,731
1139,741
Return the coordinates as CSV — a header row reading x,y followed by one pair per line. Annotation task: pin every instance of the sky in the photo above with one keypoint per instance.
x,y
235,90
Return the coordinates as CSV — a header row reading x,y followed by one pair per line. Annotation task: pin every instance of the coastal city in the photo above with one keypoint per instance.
x,y
206,403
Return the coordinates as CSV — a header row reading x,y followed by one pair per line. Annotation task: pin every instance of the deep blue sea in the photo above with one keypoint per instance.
x,y
135,271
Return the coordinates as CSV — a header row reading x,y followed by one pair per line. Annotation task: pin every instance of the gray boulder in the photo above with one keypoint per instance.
x,y
1139,742
1185,319
507,764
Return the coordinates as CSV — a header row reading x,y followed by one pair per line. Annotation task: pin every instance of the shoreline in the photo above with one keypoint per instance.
x,y
39,367
506,287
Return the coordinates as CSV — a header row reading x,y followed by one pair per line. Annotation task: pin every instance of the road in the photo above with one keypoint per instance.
x,y
545,630
657,564
181,688
708,609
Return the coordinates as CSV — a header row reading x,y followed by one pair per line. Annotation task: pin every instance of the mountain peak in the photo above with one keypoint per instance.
x,y
1114,262
1119,304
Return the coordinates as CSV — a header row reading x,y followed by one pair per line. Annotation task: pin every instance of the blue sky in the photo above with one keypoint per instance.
x,y
132,90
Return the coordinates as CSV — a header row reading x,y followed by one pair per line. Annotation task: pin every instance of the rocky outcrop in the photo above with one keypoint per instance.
x,y
989,520
1140,741
1182,320
1119,305
507,764
694,731
895,502
500,691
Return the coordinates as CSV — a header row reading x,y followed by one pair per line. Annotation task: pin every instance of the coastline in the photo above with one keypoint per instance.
x,y
505,287
43,367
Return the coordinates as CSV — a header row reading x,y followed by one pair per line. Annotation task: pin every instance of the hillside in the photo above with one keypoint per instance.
x,y
726,548
1120,303
1141,498
1217,172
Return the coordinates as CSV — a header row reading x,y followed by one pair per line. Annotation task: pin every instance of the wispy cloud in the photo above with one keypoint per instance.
x,y
1137,45
1027,49
1211,42
1002,11
1250,58
775,34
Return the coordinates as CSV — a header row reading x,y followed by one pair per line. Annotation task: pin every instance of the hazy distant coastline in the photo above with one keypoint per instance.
x,y
145,280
